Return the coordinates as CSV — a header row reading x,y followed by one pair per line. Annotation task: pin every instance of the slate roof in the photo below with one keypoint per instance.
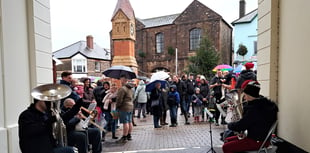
x,y
246,18
159,21
80,47
125,6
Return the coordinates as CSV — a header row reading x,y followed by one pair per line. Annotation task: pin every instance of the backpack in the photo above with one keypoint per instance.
x,y
171,100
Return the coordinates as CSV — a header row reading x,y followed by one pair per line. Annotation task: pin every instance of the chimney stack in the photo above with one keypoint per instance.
x,y
241,8
90,41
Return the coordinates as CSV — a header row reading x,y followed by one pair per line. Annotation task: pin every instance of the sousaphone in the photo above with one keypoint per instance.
x,y
51,92
54,93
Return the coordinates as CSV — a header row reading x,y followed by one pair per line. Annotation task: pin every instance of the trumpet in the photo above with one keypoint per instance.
x,y
90,119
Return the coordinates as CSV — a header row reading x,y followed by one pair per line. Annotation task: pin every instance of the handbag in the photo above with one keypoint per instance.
x,y
155,103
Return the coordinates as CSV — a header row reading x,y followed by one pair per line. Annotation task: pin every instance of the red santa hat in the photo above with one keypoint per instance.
x,y
249,65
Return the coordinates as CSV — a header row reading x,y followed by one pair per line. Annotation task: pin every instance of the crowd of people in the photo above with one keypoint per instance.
x,y
193,95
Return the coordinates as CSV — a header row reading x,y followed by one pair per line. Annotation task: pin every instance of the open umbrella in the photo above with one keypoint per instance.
x,y
151,85
238,69
119,70
160,75
222,67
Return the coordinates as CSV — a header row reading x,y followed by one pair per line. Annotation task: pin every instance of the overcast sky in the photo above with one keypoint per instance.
x,y
73,20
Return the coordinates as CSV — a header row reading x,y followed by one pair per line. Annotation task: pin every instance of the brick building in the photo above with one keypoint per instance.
x,y
83,59
157,38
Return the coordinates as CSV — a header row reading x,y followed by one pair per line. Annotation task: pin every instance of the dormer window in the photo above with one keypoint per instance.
x,y
79,64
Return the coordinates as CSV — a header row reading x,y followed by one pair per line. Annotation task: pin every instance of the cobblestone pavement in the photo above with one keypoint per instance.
x,y
193,138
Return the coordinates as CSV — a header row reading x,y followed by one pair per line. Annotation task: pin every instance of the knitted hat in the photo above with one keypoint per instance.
x,y
252,89
249,65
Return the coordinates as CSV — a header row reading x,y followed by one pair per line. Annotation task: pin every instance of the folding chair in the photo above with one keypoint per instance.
x,y
271,148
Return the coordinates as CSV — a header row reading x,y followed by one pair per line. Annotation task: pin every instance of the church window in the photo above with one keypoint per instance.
x,y
159,43
195,37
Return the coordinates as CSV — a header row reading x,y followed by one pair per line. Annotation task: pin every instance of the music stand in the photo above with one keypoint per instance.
x,y
210,130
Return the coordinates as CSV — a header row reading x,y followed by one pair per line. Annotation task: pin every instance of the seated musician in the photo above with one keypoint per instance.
x,y
257,118
35,129
78,137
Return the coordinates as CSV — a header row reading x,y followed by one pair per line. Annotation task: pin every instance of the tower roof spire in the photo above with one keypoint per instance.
x,y
125,6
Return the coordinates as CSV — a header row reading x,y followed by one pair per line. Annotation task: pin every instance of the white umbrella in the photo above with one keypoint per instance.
x,y
160,75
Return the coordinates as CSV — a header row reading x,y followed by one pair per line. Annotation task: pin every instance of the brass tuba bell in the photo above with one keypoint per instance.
x,y
54,93
51,92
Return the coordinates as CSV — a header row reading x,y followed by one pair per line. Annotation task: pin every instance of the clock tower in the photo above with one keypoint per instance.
x,y
124,35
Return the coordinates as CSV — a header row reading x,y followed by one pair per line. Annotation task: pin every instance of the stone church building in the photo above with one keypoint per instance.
x,y
158,38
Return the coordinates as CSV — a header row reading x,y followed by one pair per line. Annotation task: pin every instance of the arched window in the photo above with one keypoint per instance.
x,y
195,37
159,43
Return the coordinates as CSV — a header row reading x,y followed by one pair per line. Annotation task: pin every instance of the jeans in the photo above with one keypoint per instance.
x,y
156,121
63,150
111,123
173,114
141,106
188,103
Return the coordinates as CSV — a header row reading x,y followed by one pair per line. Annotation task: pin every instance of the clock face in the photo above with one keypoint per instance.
x,y
132,29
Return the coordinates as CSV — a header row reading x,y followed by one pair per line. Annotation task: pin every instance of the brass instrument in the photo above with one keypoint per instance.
x,y
54,93
235,110
92,115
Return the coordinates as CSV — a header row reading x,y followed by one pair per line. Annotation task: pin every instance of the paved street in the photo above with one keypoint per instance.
x,y
194,138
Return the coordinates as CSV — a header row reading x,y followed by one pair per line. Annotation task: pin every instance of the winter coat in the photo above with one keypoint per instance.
x,y
88,95
124,99
35,129
174,94
257,118
190,86
140,94
245,75
197,99
157,94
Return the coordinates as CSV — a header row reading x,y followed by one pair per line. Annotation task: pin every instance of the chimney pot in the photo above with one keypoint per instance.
x,y
241,8
90,41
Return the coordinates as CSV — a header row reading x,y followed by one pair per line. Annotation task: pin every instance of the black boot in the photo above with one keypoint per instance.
x,y
113,136
129,137
123,139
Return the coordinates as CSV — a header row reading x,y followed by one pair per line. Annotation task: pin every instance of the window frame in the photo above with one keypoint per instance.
x,y
194,38
159,43
79,62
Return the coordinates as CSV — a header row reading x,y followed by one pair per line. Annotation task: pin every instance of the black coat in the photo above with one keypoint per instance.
x,y
35,129
35,132
157,94
245,75
257,118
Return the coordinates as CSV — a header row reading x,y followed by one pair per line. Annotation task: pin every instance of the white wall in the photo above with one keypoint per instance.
x,y
25,53
294,102
283,57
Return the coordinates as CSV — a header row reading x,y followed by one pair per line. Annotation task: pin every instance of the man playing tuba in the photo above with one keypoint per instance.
x,y
257,118
35,128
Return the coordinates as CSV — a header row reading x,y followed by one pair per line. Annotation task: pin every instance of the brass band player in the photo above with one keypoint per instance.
x,y
81,137
257,118
35,128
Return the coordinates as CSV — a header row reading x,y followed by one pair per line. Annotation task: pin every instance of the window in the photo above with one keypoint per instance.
x,y
195,36
97,66
159,43
79,64
255,47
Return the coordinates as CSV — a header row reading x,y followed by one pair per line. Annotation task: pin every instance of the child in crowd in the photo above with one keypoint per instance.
x,y
197,104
